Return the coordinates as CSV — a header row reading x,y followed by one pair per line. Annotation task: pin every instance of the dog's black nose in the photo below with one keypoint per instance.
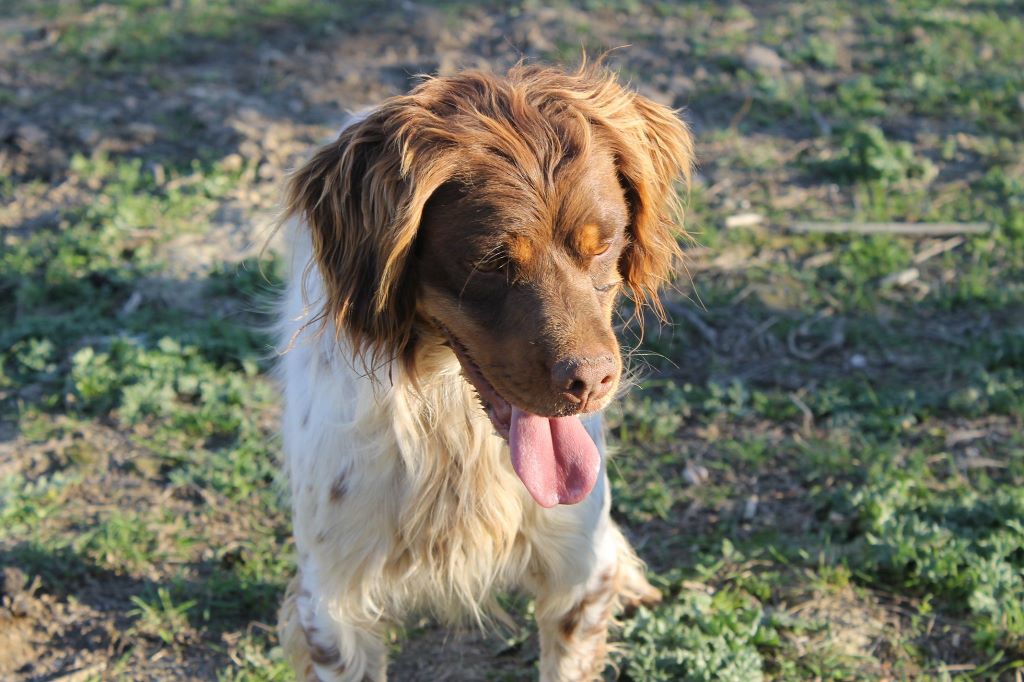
x,y
584,379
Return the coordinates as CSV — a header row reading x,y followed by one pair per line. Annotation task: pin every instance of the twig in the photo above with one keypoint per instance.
x,y
808,421
743,220
936,249
83,674
901,278
819,259
892,228
742,113
836,340
757,333
709,334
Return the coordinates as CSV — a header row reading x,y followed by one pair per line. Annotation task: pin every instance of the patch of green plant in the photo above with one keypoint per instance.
x,y
699,638
161,617
247,583
194,405
962,61
958,545
858,98
999,392
169,380
725,628
144,32
25,503
123,542
251,278
58,567
818,51
865,154
258,662
58,285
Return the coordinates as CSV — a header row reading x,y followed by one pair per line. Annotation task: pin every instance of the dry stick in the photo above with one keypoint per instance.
x,y
709,334
893,228
836,340
808,421
757,333
936,249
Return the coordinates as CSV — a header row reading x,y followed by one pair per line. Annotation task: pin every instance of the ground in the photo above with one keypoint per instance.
x,y
821,459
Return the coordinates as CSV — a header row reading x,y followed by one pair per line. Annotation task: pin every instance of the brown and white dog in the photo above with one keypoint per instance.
x,y
457,256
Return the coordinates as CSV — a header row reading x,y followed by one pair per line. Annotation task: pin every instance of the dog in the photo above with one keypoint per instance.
x,y
449,348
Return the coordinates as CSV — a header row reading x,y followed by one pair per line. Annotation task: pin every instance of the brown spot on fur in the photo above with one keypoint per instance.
x,y
305,417
571,620
324,656
338,489
321,537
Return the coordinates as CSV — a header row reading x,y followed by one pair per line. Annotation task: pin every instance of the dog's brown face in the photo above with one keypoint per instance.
x,y
502,216
523,284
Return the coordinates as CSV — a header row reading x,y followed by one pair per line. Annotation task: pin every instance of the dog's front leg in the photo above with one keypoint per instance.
x,y
574,621
322,646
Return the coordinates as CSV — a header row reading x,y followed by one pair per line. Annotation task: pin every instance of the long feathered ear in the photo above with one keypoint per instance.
x,y
362,198
657,158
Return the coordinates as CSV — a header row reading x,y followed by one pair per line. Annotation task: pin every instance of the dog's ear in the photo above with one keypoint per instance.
x,y
657,158
362,198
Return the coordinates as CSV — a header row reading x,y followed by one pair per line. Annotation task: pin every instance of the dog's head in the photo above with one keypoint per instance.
x,y
502,215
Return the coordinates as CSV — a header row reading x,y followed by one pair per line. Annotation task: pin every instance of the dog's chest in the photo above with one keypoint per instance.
x,y
459,524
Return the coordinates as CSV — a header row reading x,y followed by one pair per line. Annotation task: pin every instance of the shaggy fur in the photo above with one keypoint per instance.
x,y
478,228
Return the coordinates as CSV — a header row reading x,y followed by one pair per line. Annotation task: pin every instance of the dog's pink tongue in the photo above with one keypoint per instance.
x,y
555,458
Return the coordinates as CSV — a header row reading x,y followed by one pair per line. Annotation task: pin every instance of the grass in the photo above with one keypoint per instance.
x,y
825,475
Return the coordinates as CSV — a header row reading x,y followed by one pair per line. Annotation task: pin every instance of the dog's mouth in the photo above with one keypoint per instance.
x,y
554,457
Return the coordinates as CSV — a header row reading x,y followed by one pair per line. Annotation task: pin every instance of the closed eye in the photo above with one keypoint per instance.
x,y
605,288
490,265
496,259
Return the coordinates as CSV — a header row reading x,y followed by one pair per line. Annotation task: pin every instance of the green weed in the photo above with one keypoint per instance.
x,y
160,618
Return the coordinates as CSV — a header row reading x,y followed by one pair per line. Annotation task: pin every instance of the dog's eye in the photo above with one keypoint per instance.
x,y
492,263
601,247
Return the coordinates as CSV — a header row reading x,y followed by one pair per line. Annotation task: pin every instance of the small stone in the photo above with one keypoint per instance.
x,y
267,171
145,133
232,163
750,507
31,136
858,361
743,220
89,136
132,304
761,59
147,465
695,474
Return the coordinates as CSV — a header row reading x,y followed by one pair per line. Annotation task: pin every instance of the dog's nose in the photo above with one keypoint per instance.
x,y
584,379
